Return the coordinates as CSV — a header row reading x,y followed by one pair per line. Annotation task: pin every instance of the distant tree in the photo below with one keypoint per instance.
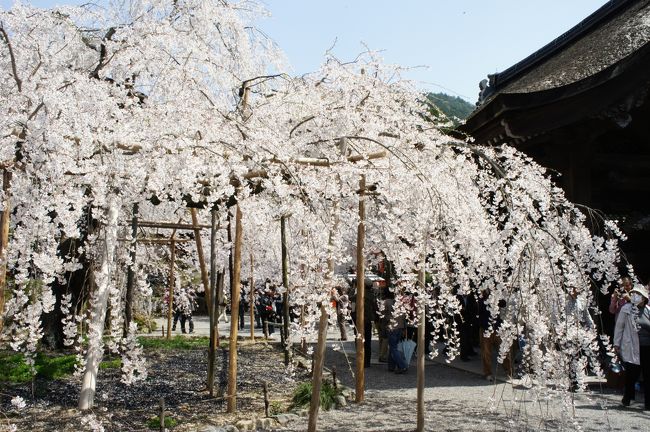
x,y
453,108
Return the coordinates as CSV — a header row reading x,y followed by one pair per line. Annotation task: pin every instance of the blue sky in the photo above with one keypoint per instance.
x,y
459,42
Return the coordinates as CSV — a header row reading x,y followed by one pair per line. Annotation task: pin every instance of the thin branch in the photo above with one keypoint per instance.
x,y
302,122
14,70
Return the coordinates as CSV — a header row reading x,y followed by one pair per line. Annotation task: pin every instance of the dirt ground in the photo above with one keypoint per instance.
x,y
455,399
177,376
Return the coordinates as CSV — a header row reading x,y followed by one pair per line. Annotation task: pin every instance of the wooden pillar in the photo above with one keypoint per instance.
x,y
210,303
319,357
252,298
199,249
361,276
317,375
4,242
421,350
170,299
130,276
234,317
285,295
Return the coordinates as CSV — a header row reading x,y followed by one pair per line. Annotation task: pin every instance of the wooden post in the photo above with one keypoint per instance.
x,y
319,354
130,276
199,249
317,375
210,304
361,276
285,295
4,242
162,415
266,399
252,299
170,300
234,315
421,350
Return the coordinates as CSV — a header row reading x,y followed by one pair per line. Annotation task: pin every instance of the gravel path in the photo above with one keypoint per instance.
x,y
461,401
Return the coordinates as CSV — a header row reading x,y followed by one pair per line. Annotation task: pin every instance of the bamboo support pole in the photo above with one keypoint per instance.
x,y
234,314
170,300
361,233
421,350
285,295
4,242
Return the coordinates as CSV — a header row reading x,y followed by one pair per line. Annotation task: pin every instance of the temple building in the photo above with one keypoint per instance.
x,y
580,107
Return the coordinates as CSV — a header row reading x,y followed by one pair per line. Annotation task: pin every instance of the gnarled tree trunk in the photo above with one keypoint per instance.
x,y
99,308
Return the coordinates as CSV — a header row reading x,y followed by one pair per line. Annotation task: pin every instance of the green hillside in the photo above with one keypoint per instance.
x,y
453,107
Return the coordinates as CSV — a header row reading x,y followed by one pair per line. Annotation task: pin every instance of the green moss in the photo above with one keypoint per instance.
x,y
14,369
175,343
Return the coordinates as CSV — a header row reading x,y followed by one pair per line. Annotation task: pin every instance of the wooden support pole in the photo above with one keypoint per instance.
x,y
4,242
266,399
361,276
252,299
162,415
285,295
317,375
170,295
199,250
421,350
130,276
234,314
211,309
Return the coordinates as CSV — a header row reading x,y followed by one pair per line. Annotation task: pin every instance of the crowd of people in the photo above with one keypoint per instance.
x,y
390,312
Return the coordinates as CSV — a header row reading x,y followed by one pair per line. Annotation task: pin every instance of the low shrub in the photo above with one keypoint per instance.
x,y
328,395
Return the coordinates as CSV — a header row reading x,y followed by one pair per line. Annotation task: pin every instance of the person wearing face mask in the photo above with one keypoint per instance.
x,y
627,339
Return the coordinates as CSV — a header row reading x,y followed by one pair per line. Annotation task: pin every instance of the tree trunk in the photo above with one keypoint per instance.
x,y
130,277
361,292
4,242
234,315
317,375
98,315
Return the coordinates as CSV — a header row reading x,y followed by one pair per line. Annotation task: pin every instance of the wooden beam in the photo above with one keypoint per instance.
x,y
171,225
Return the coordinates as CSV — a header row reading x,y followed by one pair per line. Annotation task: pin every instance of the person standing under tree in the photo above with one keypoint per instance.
x,y
626,341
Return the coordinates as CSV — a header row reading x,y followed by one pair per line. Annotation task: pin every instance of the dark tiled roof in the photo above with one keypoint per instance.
x,y
610,34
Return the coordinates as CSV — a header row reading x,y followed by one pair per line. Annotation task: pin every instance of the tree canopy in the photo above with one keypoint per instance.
x,y
165,103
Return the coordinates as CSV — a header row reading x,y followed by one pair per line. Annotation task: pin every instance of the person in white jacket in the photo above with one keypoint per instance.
x,y
626,339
